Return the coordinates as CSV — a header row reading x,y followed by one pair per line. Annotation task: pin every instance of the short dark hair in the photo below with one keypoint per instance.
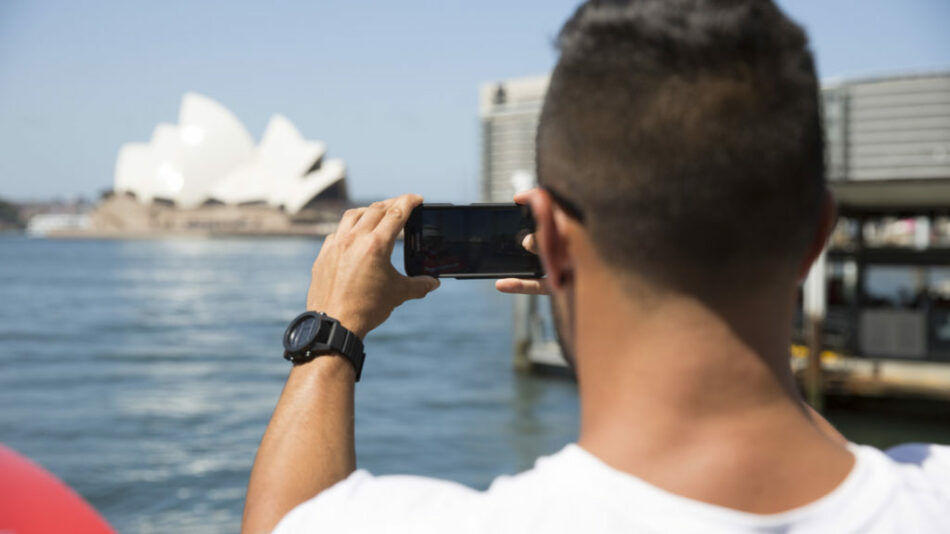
x,y
688,133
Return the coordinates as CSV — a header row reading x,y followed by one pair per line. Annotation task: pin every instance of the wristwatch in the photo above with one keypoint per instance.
x,y
314,334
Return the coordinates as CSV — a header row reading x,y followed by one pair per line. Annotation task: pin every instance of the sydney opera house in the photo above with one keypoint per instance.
x,y
205,175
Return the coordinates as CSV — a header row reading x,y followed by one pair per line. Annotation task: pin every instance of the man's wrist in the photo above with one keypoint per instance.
x,y
346,321
353,326
332,365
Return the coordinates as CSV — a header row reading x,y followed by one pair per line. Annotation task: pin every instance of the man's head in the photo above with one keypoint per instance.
x,y
687,132
682,139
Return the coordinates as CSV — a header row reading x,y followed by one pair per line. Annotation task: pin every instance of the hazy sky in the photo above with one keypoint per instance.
x,y
391,87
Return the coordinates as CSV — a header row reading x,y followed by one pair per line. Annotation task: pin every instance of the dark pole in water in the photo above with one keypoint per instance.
x,y
814,381
815,303
523,308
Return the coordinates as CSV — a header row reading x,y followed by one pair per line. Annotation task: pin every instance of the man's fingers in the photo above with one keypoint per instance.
x,y
530,244
523,197
420,286
350,218
372,215
396,216
521,286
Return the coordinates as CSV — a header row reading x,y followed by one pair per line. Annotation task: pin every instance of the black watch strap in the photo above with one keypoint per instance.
x,y
331,338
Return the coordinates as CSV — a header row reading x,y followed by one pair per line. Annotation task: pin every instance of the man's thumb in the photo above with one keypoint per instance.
x,y
420,286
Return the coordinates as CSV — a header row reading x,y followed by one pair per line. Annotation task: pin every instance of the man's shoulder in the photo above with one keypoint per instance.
x,y
907,486
402,503
366,503
572,490
922,467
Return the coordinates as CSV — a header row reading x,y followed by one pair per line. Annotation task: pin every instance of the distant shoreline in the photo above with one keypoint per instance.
x,y
123,217
156,235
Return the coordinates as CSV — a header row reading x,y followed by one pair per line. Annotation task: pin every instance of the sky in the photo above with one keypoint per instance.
x,y
390,87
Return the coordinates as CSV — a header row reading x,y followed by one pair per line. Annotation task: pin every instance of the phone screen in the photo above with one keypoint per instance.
x,y
478,241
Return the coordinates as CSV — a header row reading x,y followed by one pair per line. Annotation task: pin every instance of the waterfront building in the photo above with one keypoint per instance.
x,y
509,117
888,130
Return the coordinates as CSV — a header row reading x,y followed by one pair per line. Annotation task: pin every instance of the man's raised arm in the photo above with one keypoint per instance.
x,y
308,445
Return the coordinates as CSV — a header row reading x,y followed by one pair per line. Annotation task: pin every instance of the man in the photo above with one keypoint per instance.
x,y
681,202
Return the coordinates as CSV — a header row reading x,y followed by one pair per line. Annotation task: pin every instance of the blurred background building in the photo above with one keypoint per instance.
x,y
509,117
882,133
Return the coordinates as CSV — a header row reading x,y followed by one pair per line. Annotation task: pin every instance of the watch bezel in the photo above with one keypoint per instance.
x,y
319,317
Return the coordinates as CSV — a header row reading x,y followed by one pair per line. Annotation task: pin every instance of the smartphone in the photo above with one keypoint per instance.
x,y
474,241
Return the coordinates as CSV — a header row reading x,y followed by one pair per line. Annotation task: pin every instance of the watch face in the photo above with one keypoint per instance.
x,y
301,334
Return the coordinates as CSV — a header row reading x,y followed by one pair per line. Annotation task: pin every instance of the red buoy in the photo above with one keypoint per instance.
x,y
33,501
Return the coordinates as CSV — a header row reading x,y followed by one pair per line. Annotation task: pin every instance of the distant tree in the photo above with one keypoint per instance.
x,y
10,215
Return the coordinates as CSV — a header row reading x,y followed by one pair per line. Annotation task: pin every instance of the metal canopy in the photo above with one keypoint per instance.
x,y
892,197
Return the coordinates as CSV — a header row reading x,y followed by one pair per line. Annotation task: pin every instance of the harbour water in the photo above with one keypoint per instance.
x,y
143,374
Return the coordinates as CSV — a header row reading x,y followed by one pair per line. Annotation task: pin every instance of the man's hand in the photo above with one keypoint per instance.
x,y
308,445
353,279
521,285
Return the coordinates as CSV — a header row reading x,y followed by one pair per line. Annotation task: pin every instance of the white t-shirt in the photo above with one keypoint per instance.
x,y
906,490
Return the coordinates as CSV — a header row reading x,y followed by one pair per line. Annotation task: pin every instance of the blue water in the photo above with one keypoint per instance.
x,y
143,373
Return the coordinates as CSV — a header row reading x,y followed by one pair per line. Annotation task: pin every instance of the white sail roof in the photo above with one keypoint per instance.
x,y
209,155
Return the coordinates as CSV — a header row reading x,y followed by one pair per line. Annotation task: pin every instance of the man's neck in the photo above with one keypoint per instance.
x,y
682,394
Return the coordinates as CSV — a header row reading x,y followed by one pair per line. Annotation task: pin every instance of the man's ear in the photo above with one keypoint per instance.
x,y
826,225
552,239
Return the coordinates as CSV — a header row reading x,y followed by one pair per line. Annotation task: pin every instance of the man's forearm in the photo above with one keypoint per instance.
x,y
308,445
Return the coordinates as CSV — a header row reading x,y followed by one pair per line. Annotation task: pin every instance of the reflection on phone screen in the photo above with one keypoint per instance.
x,y
481,240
